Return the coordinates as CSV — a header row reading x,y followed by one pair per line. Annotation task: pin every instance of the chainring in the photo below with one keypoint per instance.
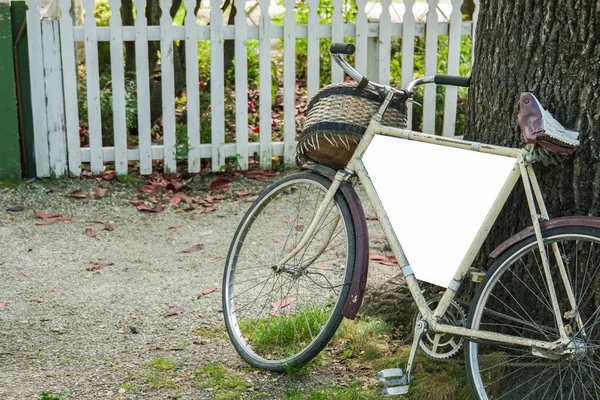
x,y
443,345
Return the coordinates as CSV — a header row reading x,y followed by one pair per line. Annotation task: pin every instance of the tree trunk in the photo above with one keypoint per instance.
x,y
549,48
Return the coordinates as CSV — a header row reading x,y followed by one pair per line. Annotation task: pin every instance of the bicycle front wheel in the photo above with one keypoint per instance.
x,y
514,299
281,318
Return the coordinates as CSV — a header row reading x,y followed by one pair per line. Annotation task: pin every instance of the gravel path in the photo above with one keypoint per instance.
x,y
65,328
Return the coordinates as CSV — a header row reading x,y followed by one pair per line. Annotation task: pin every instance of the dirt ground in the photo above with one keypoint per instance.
x,y
88,302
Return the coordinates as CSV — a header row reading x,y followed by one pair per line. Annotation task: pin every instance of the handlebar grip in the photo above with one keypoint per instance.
x,y
342,48
452,80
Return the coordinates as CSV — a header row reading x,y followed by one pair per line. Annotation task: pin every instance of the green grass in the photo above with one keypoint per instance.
x,y
226,383
158,380
50,396
285,335
10,182
335,392
161,364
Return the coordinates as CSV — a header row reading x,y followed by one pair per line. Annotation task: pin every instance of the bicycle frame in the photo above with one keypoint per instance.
x,y
356,167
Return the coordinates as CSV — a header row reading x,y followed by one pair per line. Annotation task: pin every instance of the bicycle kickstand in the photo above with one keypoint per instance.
x,y
395,381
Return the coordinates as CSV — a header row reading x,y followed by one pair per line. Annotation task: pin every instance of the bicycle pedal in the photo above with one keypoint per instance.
x,y
393,381
395,391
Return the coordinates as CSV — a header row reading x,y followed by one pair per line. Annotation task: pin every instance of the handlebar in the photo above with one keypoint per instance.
x,y
338,49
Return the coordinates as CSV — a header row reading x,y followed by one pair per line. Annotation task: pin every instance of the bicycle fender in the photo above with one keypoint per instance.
x,y
361,266
584,221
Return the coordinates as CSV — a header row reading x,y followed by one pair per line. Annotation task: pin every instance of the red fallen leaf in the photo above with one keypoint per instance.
x,y
109,226
289,220
100,191
392,259
135,203
372,218
46,216
244,194
149,189
282,303
89,232
77,194
99,265
194,249
108,175
376,257
220,183
175,311
155,209
209,291
16,208
4,303
53,221
300,228
177,199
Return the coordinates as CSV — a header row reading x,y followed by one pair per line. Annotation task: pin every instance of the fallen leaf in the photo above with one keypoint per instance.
x,y
149,189
300,228
175,311
53,221
98,221
289,220
220,183
244,194
76,193
194,249
209,291
282,303
372,218
37,299
89,232
5,303
108,175
155,209
99,265
46,215
175,200
100,191
16,208
109,226
376,257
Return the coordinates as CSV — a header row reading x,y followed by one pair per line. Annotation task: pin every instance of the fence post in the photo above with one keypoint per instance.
x,y
373,55
10,159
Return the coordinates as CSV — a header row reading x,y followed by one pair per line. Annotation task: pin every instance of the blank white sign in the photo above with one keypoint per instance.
x,y
436,198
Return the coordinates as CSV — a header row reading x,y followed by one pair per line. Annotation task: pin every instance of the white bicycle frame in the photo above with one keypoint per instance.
x,y
538,212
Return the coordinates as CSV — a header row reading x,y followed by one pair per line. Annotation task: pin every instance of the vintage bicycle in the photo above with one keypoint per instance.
x,y
298,261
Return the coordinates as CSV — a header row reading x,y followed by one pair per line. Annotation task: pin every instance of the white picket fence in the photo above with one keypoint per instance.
x,y
53,65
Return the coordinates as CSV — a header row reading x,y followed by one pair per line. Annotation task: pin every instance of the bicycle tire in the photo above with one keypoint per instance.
x,y
513,298
282,320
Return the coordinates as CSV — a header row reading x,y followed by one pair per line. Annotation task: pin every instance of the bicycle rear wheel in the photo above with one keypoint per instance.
x,y
514,299
281,319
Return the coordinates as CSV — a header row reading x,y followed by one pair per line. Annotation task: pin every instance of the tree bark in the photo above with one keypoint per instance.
x,y
550,48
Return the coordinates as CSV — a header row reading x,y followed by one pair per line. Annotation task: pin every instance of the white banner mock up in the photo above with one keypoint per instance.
x,y
436,198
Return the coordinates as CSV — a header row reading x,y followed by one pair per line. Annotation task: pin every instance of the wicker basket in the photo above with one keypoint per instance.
x,y
337,117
